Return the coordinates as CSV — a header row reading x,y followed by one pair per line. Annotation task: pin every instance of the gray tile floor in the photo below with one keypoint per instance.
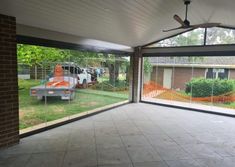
x,y
134,135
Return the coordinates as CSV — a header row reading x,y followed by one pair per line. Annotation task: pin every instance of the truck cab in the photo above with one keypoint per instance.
x,y
84,78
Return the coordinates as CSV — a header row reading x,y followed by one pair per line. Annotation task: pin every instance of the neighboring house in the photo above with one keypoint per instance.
x,y
176,72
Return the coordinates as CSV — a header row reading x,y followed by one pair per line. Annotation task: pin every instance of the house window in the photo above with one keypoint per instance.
x,y
217,73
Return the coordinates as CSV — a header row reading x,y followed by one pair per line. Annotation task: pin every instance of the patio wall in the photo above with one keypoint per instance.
x,y
9,119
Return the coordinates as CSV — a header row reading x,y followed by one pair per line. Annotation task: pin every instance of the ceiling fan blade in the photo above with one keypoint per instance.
x,y
206,25
179,20
173,29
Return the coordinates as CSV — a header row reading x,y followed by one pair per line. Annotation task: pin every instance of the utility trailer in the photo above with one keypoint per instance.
x,y
66,93
59,85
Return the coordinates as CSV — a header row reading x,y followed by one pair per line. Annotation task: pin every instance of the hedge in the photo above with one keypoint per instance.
x,y
202,87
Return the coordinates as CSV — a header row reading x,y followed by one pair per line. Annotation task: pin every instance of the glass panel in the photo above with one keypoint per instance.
x,y
182,74
157,80
194,37
56,85
59,85
218,35
30,74
206,83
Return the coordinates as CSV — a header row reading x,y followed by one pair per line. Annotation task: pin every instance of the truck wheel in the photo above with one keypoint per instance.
x,y
84,84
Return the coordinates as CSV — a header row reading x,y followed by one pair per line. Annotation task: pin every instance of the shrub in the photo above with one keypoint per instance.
x,y
202,87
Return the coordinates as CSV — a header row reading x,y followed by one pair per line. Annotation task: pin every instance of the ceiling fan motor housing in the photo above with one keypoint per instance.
x,y
187,23
187,2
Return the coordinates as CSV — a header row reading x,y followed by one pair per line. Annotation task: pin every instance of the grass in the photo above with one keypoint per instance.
x,y
33,111
226,105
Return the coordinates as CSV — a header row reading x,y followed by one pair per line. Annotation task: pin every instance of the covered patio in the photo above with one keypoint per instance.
x,y
176,111
134,135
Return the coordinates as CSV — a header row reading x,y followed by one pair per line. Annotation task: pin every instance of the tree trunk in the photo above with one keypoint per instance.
x,y
111,74
113,71
35,72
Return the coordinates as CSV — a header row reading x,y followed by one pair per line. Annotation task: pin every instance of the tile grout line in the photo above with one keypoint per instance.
x,y
96,150
146,138
149,141
175,142
66,151
132,163
28,160
190,153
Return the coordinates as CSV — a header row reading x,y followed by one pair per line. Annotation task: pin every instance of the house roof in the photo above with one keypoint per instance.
x,y
201,62
126,22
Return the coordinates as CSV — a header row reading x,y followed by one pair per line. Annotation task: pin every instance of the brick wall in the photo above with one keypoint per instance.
x,y
9,119
231,73
157,75
183,75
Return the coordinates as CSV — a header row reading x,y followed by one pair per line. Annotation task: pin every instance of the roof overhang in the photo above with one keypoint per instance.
x,y
38,36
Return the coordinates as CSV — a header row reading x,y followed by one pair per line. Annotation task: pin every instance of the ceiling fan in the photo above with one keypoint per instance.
x,y
186,23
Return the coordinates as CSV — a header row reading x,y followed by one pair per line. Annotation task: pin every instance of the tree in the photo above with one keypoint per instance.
x,y
86,59
37,55
218,35
147,65
113,64
194,37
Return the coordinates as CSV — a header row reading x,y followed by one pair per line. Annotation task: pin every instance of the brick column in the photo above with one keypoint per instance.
x,y
9,110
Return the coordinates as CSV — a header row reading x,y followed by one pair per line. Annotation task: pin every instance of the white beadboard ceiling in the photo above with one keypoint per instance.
x,y
127,22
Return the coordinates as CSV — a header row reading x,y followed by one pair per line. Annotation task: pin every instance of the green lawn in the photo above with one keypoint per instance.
x,y
33,111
